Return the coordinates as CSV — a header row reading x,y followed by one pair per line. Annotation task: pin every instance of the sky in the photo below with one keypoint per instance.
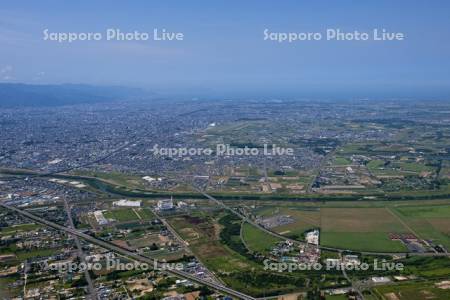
x,y
223,50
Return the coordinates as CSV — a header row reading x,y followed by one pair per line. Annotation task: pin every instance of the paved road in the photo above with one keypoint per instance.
x,y
87,276
321,165
172,230
130,254
186,244
397,217
354,286
65,170
248,220
334,249
134,140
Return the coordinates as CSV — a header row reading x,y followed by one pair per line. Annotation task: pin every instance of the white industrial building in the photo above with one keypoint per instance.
x,y
165,204
127,203
100,218
151,179
312,237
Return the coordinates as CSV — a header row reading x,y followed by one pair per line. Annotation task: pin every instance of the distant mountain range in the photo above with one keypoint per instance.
x,y
19,94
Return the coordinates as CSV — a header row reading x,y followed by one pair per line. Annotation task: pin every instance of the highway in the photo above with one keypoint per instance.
x,y
259,226
87,276
354,286
334,249
183,242
130,254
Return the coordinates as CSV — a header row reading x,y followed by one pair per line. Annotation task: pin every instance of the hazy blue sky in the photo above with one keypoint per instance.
x,y
224,49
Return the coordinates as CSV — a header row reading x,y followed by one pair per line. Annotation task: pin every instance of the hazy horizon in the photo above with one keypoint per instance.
x,y
224,51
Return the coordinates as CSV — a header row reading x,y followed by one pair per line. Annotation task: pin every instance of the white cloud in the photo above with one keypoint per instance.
x,y
6,69
6,73
39,76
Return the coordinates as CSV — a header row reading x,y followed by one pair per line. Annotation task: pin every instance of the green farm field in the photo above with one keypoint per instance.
x,y
217,243
413,291
121,215
19,228
304,220
202,234
258,240
145,214
366,228
429,222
